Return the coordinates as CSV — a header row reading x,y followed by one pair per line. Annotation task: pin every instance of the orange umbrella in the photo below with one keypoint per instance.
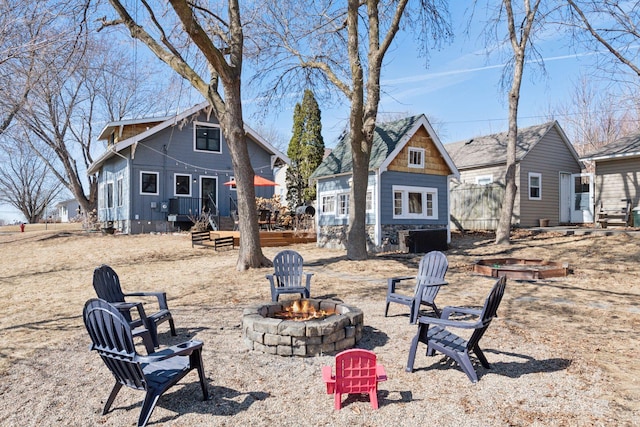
x,y
258,181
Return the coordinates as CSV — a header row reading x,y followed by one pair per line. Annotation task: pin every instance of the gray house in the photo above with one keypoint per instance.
x,y
617,170
408,186
548,175
160,173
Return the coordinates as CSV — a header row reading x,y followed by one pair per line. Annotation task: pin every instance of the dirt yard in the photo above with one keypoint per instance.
x,y
564,351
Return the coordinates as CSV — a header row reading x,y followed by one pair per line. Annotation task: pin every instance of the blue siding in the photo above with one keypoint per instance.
x,y
390,178
341,185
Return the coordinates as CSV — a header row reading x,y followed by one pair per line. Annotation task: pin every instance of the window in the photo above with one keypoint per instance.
x,y
415,202
109,194
535,186
207,138
149,183
328,204
233,186
182,185
343,204
369,201
484,179
416,157
119,192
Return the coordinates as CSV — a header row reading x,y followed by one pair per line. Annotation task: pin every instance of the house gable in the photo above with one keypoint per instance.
x,y
421,143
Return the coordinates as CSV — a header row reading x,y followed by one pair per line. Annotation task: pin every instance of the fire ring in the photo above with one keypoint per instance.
x,y
524,269
263,331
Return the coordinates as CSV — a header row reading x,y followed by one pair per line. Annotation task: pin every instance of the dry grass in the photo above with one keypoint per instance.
x,y
563,350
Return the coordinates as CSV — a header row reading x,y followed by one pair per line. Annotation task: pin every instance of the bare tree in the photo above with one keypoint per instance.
x,y
340,47
26,183
218,37
615,25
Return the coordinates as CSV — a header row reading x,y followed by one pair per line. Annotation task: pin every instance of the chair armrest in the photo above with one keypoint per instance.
x,y
126,307
381,374
329,379
447,311
427,320
393,281
161,296
308,280
271,279
183,349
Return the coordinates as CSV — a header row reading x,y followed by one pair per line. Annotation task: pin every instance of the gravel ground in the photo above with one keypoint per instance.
x,y
562,350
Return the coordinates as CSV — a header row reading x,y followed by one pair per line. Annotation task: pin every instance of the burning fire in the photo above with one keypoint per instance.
x,y
301,310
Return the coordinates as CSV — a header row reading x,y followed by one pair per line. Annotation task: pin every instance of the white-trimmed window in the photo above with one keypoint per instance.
x,y
415,202
484,179
207,138
328,204
233,187
416,157
149,183
535,186
109,195
343,204
119,192
369,201
181,185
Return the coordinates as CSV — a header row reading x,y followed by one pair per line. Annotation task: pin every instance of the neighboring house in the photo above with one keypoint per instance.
x,y
617,169
161,173
408,187
68,210
550,185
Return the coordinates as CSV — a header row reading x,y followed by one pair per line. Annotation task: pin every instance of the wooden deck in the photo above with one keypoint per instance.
x,y
273,238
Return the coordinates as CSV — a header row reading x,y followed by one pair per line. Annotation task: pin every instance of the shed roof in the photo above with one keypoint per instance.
x,y
491,150
389,138
625,147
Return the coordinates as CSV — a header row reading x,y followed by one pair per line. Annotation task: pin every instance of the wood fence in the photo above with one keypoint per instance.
x,y
475,207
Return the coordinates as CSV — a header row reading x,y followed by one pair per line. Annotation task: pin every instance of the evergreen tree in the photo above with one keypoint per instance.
x,y
306,150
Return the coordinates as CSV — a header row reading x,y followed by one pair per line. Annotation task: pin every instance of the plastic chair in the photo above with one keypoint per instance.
x,y
357,372
288,276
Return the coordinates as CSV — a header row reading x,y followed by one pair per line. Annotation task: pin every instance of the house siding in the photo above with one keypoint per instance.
x,y
549,158
336,186
618,179
117,168
433,161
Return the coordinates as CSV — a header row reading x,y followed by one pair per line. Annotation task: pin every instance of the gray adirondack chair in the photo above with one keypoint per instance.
x,y
107,286
288,277
111,337
436,333
431,271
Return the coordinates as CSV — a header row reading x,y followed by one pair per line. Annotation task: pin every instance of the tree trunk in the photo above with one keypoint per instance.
x,y
250,253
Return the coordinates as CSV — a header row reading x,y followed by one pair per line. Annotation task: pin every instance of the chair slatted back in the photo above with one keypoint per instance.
x,y
433,264
288,268
356,371
111,337
489,310
107,285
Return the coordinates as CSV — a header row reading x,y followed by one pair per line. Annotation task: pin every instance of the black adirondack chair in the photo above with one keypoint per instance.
x,y
431,271
288,276
107,286
437,335
111,337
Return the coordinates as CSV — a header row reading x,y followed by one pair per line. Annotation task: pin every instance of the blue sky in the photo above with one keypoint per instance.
x,y
459,90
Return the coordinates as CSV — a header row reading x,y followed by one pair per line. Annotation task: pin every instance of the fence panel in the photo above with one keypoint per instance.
x,y
475,207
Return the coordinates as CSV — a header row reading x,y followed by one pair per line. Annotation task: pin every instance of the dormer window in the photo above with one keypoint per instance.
x,y
416,157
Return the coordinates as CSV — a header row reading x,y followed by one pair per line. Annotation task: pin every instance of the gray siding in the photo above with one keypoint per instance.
x,y
618,179
549,157
116,168
497,172
338,185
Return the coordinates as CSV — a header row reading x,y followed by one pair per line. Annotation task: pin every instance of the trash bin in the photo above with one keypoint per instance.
x,y
636,217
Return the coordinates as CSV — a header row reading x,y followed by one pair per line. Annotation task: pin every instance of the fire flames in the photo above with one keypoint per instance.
x,y
301,310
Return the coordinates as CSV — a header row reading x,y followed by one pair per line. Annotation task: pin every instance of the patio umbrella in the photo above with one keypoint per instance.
x,y
258,181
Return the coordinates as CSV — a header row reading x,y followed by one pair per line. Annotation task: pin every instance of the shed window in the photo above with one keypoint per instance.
x,y
343,204
416,157
535,186
415,202
328,204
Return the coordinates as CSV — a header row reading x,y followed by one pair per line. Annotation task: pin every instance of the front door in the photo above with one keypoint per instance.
x,y
209,195
581,198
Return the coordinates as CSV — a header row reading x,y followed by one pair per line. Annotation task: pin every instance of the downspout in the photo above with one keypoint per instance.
x,y
378,226
448,209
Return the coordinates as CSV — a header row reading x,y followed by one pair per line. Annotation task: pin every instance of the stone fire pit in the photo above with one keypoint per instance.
x,y
262,331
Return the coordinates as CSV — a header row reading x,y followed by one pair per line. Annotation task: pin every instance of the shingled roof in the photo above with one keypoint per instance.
x,y
628,146
492,149
388,138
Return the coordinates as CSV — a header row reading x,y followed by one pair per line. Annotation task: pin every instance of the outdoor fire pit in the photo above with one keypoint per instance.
x,y
307,327
525,269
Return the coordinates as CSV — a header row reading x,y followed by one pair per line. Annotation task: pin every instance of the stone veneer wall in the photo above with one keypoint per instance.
x,y
338,332
334,237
